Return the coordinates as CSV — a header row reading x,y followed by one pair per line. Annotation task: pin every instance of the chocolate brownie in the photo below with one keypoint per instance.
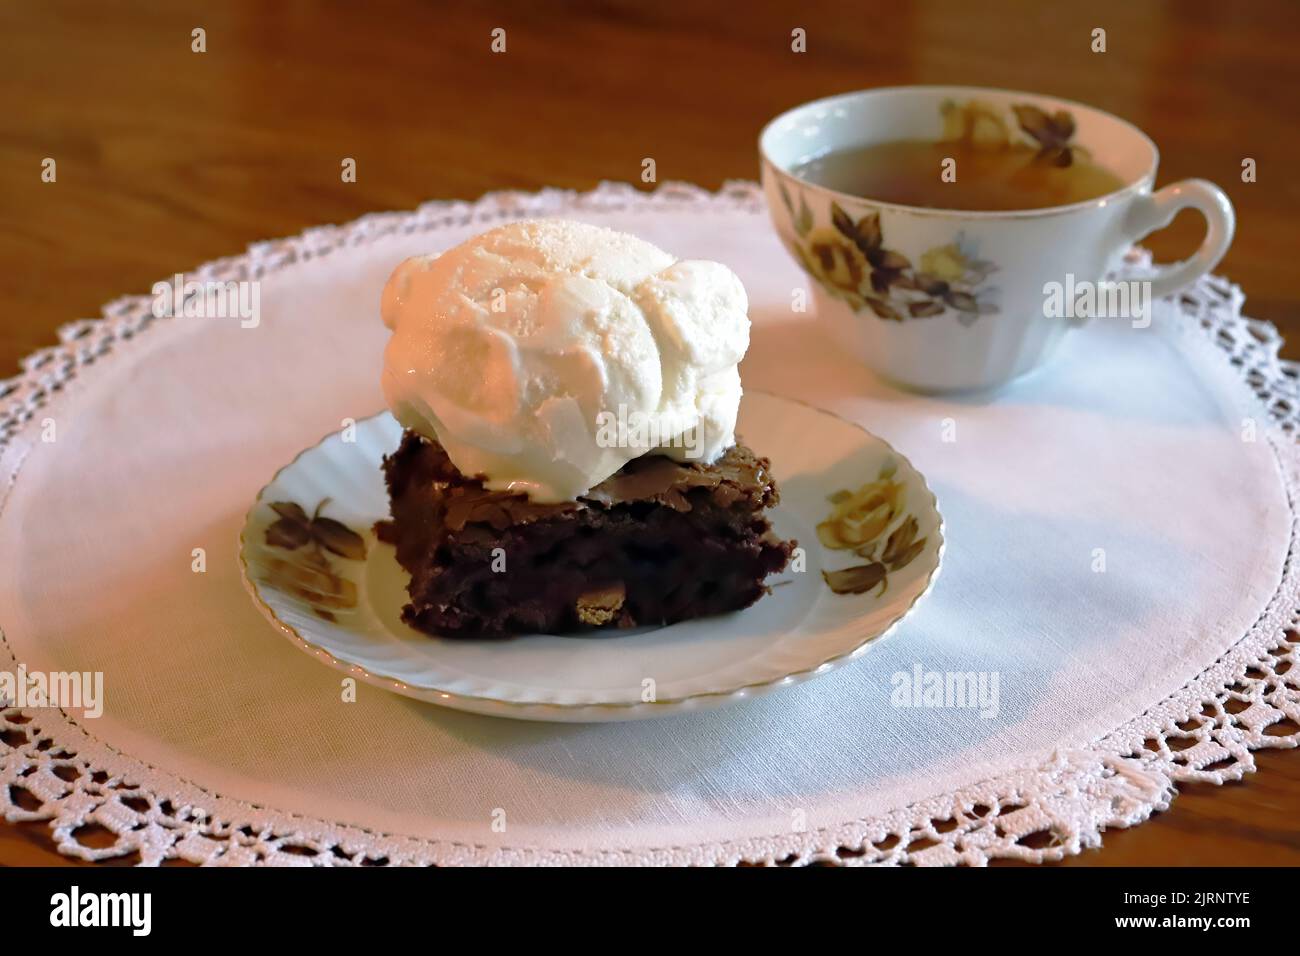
x,y
657,542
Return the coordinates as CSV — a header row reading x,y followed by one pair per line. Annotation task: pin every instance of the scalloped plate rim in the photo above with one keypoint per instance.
x,y
591,712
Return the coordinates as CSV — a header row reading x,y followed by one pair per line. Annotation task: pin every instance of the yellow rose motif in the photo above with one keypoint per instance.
x,y
834,260
860,521
945,262
976,123
860,517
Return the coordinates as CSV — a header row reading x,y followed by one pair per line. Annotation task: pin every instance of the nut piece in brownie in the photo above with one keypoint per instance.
x,y
658,541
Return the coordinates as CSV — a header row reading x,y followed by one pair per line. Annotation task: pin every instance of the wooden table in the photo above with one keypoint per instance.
x,y
167,158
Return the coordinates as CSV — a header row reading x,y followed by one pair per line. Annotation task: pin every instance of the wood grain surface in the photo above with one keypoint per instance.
x,y
167,158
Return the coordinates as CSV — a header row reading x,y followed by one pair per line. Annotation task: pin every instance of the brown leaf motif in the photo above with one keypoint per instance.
x,y
867,235
307,571
295,529
1051,133
856,580
288,534
843,221
858,522
337,537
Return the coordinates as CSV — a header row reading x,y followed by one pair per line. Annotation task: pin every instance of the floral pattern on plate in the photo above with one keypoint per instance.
x,y
797,632
872,523
306,571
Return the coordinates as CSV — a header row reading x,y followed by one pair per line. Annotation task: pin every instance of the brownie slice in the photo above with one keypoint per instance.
x,y
657,542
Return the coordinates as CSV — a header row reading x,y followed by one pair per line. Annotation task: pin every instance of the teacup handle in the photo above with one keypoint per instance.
x,y
1156,210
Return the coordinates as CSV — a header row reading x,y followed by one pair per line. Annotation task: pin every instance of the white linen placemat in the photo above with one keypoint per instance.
x,y
1119,531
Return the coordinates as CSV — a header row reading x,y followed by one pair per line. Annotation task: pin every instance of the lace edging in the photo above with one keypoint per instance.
x,y
52,770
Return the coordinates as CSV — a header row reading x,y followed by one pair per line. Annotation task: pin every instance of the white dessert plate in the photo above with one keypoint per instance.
x,y
301,553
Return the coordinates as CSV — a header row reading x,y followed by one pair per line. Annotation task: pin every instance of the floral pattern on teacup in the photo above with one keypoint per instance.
x,y
851,262
981,125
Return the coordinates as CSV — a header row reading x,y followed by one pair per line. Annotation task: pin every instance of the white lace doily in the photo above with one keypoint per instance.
x,y
193,761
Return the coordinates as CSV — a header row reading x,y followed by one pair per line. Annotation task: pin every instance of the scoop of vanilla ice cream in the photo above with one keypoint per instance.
x,y
543,355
